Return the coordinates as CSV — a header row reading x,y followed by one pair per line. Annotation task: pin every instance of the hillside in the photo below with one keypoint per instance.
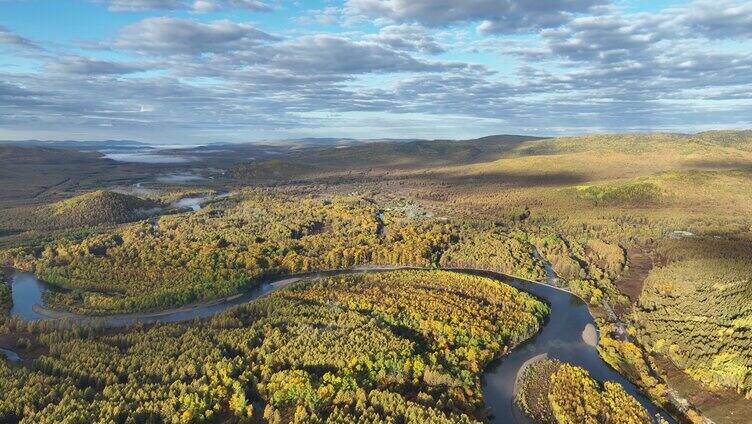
x,y
93,145
14,154
329,161
86,210
97,207
35,175
590,180
651,183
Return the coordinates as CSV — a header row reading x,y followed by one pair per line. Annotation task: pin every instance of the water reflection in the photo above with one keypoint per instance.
x,y
147,157
27,295
11,356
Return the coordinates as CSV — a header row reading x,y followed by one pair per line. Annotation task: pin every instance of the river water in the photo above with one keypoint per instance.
x,y
560,337
195,203
11,356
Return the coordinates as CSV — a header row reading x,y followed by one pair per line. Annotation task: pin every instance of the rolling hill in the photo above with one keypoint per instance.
x,y
387,155
86,210
98,207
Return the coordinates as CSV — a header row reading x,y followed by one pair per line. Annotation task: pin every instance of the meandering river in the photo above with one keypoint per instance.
x,y
560,337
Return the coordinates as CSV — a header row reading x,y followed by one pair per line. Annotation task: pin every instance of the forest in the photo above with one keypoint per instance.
x,y
494,249
220,250
5,298
235,243
405,346
552,392
696,310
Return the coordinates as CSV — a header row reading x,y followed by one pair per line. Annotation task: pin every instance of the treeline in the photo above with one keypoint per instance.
x,y
6,301
402,346
697,310
553,392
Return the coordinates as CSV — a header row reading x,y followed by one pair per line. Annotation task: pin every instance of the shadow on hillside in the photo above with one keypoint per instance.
x,y
723,165
491,178
512,179
726,246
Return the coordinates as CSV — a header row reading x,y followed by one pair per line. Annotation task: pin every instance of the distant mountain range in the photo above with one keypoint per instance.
x,y
86,146
115,145
324,149
100,145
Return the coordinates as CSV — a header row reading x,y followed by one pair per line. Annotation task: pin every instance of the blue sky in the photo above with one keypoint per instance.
x,y
195,71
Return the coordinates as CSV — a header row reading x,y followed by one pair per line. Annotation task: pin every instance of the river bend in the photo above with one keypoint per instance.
x,y
560,337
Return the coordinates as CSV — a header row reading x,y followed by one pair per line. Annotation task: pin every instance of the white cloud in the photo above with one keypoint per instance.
x,y
576,67
195,5
411,37
494,16
716,18
86,66
182,36
11,38
326,16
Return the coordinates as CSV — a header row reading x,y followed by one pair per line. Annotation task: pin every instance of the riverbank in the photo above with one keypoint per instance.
x,y
560,338
520,417
521,371
29,303
6,297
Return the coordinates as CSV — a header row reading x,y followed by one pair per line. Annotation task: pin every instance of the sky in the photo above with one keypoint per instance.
x,y
198,71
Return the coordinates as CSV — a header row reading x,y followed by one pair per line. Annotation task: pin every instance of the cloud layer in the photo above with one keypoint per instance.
x,y
195,5
494,16
426,69
9,38
171,36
